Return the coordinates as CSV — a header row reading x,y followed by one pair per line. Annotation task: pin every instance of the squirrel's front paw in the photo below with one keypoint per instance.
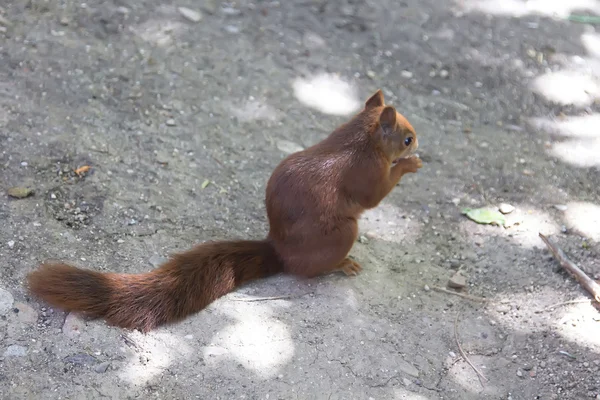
x,y
412,163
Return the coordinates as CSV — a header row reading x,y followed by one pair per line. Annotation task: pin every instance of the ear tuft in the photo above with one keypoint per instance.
x,y
376,100
387,118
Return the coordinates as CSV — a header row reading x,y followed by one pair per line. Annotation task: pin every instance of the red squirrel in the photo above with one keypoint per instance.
x,y
313,199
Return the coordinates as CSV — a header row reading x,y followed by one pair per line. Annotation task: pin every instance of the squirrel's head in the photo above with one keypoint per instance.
x,y
395,135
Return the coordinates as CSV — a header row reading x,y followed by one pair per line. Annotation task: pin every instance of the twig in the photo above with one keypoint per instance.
x,y
564,303
263,299
462,353
588,283
463,295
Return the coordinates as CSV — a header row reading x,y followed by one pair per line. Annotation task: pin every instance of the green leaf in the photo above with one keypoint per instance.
x,y
584,19
485,216
20,192
205,183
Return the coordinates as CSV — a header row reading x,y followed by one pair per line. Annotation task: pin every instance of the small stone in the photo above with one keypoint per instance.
x,y
444,73
527,367
288,147
371,74
543,364
25,313
532,373
20,192
6,301
170,122
519,373
454,263
406,381
11,244
64,21
506,208
24,163
73,326
15,350
189,14
426,288
456,201
156,260
363,239
457,281
561,207
102,367
406,74
452,354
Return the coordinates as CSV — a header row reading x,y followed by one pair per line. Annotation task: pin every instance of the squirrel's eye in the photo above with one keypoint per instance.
x,y
408,141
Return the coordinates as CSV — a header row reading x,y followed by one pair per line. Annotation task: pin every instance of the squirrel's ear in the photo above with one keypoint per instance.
x,y
387,118
376,100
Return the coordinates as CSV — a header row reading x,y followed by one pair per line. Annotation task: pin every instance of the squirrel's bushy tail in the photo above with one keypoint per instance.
x,y
184,285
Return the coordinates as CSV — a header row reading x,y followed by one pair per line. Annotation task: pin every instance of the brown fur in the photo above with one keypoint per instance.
x,y
314,198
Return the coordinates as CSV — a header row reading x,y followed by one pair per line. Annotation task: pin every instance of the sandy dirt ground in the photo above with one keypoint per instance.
x,y
183,114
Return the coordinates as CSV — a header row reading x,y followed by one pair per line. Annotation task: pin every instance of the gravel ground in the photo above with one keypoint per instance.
x,y
182,110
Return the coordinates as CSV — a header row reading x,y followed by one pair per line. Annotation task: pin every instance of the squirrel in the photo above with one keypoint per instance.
x,y
313,200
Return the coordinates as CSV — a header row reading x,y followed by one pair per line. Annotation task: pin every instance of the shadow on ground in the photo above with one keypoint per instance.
x,y
506,108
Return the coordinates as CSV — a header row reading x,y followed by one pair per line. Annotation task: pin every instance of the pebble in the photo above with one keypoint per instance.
x,y
6,301
363,239
444,73
406,381
371,74
288,147
15,350
406,74
189,14
73,326
543,364
426,288
102,367
11,244
170,122
457,281
519,373
25,313
454,263
452,354
506,208
561,207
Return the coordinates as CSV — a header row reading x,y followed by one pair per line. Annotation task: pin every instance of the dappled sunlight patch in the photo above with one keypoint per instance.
x,y
584,217
581,153
591,42
157,351
388,222
523,225
327,93
583,133
256,340
520,8
567,87
580,324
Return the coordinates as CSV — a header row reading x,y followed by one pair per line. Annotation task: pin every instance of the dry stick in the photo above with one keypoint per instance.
x,y
564,303
263,299
588,283
463,295
462,353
